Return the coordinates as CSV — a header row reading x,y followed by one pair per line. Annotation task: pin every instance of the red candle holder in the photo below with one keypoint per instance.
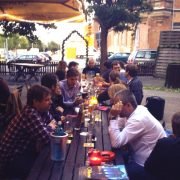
x,y
95,158
95,161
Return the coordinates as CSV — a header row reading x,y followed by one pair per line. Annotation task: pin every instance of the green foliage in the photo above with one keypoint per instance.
x,y
22,28
23,42
19,42
120,15
53,46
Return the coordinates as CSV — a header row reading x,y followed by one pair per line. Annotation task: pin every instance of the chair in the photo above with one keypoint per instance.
x,y
12,71
13,108
155,105
28,85
20,88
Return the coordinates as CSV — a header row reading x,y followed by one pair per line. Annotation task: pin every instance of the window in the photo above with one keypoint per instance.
x,y
140,54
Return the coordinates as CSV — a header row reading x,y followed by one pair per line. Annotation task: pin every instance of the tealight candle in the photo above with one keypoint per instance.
x,y
95,160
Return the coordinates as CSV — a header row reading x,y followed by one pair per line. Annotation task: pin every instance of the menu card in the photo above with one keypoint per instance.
x,y
117,172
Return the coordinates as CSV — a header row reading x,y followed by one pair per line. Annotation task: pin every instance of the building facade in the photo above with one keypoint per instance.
x,y
165,17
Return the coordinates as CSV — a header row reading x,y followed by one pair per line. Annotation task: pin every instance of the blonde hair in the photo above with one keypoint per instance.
x,y
115,88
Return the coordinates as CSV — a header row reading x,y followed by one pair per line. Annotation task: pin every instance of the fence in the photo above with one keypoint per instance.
x,y
145,69
48,68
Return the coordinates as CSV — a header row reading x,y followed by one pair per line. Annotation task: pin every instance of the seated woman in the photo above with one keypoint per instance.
x,y
61,70
114,78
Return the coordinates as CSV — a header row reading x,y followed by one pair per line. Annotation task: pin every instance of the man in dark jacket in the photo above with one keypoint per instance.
x,y
134,83
163,162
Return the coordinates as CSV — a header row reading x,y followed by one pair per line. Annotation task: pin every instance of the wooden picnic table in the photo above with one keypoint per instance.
x,y
46,169
27,68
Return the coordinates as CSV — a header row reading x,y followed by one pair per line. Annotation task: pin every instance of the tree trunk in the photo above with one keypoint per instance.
x,y
103,43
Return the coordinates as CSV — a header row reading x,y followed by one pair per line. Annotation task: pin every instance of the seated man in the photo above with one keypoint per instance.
x,y
91,69
134,83
73,64
18,143
70,88
141,131
117,66
163,162
50,81
106,73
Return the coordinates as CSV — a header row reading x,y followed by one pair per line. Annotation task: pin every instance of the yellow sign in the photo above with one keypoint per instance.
x,y
90,40
71,53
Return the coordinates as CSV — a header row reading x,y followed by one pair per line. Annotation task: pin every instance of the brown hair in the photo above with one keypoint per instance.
x,y
114,76
176,124
132,70
115,88
114,63
62,66
72,73
37,92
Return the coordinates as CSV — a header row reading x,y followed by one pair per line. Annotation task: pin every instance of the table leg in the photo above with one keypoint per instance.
x,y
20,73
33,74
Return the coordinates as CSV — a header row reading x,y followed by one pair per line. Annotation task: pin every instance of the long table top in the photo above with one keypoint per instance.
x,y
29,65
46,169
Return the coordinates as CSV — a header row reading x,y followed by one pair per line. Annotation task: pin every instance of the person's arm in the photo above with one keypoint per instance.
x,y
37,128
131,131
137,89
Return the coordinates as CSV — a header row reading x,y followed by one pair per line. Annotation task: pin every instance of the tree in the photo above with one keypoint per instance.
x,y
22,28
13,41
53,46
118,15
23,42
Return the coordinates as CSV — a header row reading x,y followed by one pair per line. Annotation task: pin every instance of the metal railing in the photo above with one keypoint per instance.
x,y
145,69
5,68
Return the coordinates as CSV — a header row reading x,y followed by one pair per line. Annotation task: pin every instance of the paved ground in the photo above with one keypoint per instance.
x,y
172,100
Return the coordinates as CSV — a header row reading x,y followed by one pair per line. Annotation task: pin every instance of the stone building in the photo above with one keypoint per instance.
x,y
165,17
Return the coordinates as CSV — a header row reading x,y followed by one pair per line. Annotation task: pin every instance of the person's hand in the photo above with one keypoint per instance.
x,y
78,101
60,109
105,84
53,124
116,109
63,118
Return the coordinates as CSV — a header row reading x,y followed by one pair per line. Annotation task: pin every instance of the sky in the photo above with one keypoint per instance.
x,y
59,34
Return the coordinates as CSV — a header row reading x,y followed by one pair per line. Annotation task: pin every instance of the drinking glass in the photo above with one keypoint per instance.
x,y
77,119
90,132
68,126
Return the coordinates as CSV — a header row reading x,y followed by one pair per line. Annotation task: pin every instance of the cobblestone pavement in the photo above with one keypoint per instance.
x,y
172,100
